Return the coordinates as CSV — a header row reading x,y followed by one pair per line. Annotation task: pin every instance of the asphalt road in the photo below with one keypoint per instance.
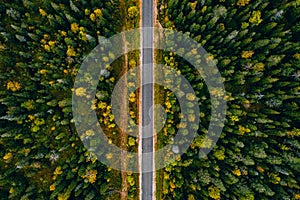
x,y
147,102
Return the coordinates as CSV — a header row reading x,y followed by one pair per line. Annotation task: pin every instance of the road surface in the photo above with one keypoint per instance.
x,y
147,178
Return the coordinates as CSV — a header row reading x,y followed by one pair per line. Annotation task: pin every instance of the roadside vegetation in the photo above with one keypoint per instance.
x,y
256,47
42,45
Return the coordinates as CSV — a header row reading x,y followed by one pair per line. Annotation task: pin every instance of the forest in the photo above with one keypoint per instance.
x,y
255,45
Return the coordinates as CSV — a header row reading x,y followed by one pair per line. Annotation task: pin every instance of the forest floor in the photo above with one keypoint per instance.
x,y
123,135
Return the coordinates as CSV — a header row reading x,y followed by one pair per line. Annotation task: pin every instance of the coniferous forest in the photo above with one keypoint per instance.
x,y
255,45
